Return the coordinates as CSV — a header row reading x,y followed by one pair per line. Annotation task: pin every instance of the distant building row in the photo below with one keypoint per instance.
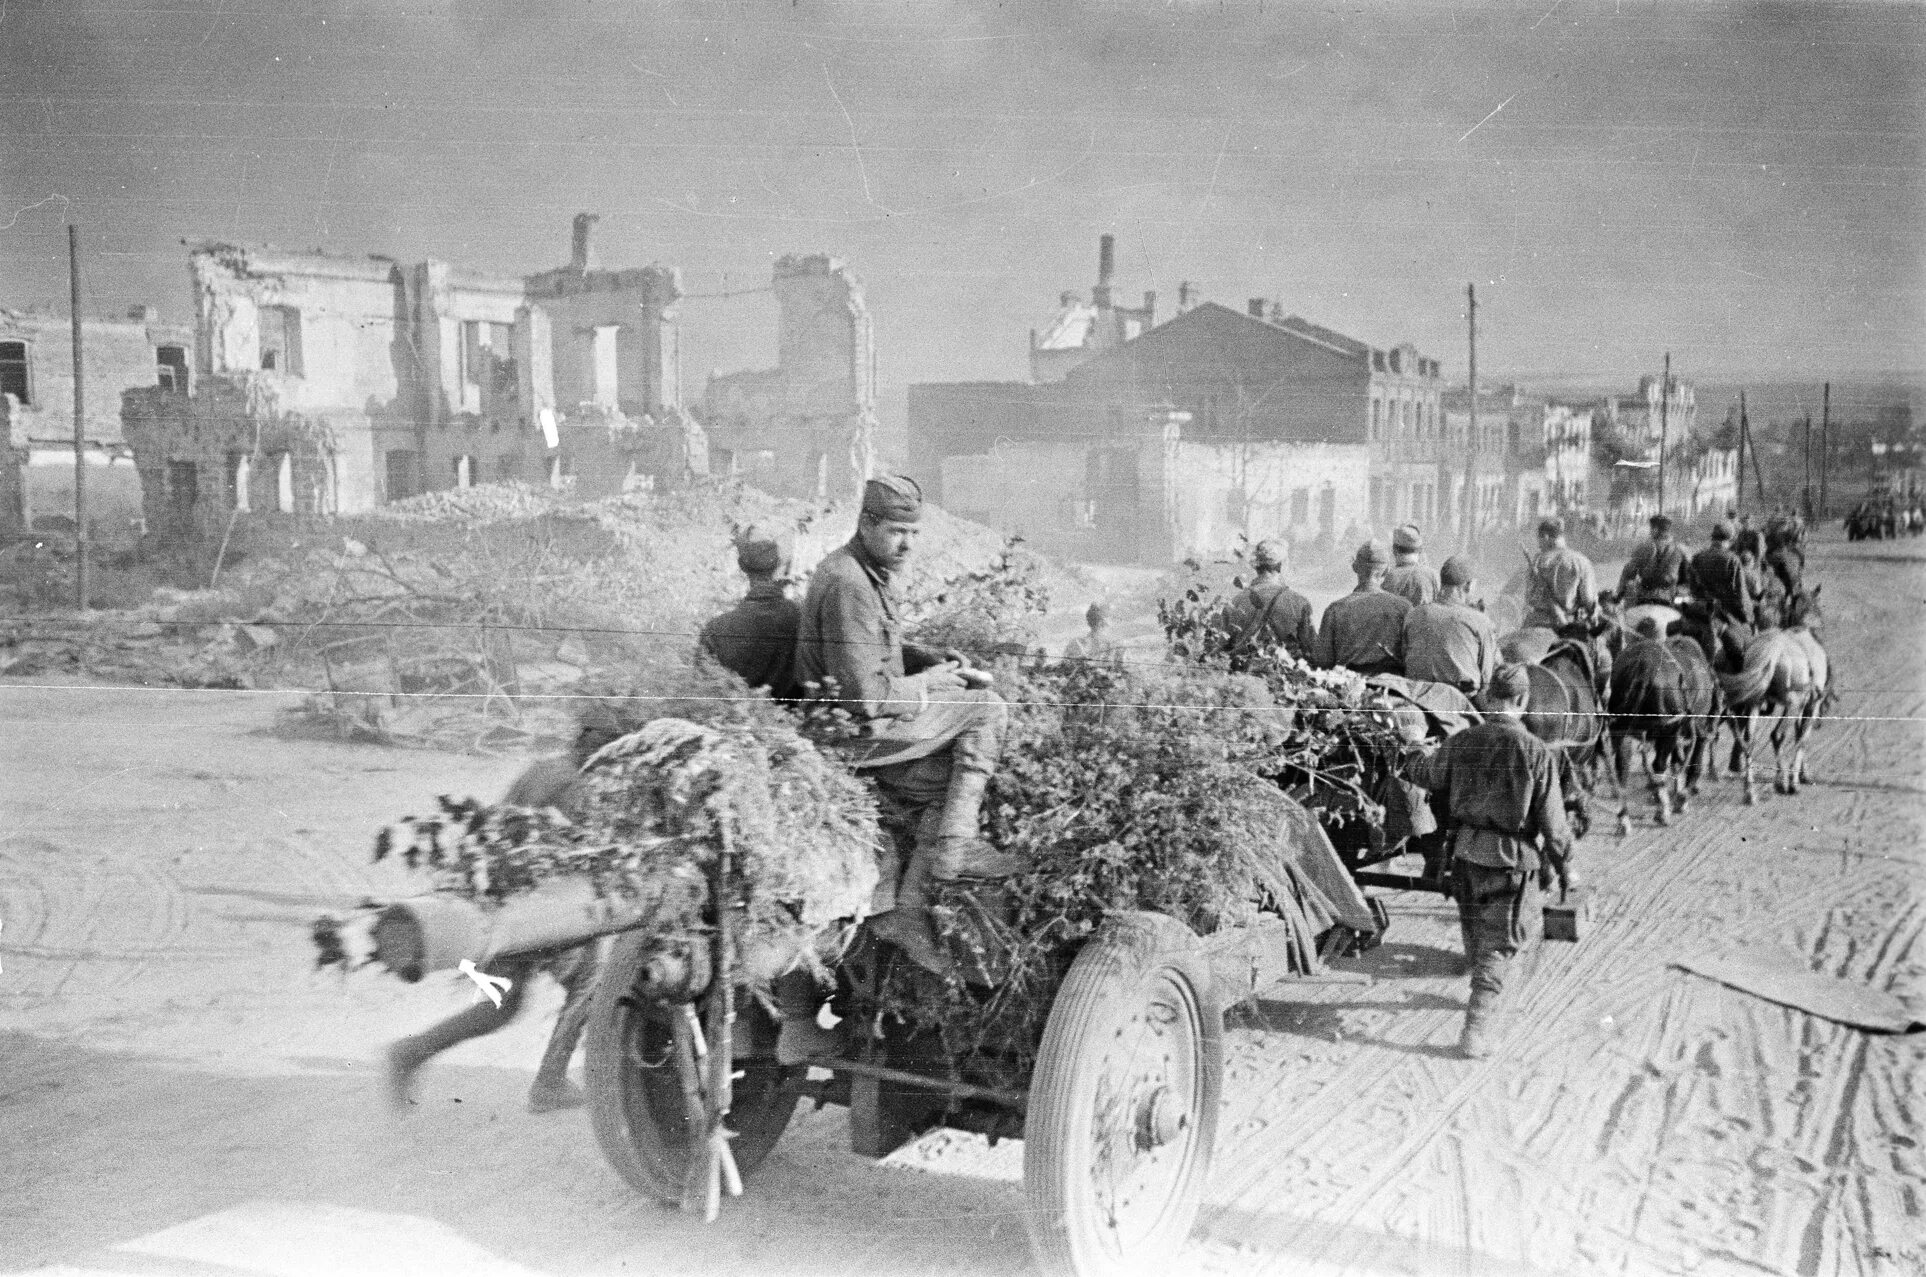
x,y
1143,442
319,384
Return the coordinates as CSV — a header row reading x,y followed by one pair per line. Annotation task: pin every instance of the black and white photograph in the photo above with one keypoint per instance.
x,y
984,638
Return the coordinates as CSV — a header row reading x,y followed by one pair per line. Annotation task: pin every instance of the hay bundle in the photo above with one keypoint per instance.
x,y
645,821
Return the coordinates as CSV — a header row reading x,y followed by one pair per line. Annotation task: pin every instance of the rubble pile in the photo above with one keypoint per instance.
x,y
470,618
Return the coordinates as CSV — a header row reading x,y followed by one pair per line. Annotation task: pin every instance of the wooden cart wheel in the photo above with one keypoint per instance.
x,y
635,1089
1123,1102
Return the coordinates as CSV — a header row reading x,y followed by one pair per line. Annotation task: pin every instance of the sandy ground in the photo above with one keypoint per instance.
x,y
180,1093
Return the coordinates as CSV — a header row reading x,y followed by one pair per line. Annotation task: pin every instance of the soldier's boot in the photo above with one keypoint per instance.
x,y
958,849
799,1001
907,926
1480,1027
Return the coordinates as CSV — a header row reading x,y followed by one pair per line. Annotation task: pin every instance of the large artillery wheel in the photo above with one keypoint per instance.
x,y
635,1087
1123,1102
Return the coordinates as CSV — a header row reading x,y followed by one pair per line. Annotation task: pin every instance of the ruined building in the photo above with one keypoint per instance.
x,y
327,384
37,413
1147,441
807,427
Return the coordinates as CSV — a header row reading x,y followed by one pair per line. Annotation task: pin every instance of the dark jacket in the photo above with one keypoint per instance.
x,y
1498,785
757,639
1718,579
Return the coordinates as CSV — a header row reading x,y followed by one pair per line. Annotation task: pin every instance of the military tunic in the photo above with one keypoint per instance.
x,y
1272,608
1561,585
1450,643
1363,631
1412,581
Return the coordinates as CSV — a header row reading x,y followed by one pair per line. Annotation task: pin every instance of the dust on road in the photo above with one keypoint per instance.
x,y
181,1093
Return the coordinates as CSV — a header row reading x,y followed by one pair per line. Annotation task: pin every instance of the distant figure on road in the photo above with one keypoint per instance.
x,y
757,637
1096,646
1410,577
1449,640
1498,786
1270,609
1364,630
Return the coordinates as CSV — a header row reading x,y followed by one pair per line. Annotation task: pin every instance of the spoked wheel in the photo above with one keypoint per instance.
x,y
1123,1102
636,1095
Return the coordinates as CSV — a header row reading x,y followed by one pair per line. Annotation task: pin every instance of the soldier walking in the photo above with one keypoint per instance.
x,y
1505,813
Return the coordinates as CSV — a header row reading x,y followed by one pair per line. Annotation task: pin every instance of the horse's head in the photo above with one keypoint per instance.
x,y
1802,608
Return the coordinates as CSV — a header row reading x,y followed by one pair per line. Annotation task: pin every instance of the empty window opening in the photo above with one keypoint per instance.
x,y
13,371
281,340
607,388
401,474
240,471
171,368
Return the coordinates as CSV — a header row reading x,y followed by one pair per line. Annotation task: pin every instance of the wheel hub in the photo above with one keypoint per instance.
x,y
1160,1118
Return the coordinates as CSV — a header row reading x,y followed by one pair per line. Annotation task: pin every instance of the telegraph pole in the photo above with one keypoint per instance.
x,y
1825,447
1805,495
1471,324
1740,503
1665,395
80,426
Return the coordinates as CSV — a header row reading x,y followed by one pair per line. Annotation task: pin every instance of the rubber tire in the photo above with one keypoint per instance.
x,y
1108,981
637,1112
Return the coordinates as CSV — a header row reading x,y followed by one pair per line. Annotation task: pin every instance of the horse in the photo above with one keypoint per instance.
x,y
1786,678
1662,693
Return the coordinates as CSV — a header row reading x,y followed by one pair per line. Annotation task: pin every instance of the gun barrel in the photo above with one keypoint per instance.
x,y
425,934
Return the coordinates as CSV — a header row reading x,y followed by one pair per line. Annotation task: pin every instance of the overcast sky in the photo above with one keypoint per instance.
x,y
1740,184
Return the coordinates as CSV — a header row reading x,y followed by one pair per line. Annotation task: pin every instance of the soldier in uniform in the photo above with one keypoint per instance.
x,y
1270,609
1450,641
1498,785
1410,577
931,725
757,637
1563,589
1097,646
1652,574
1719,584
1364,630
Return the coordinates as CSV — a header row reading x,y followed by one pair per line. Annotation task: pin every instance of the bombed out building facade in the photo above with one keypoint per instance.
x,y
327,384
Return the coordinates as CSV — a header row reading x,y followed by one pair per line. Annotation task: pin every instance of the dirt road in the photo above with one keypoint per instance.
x,y
181,1094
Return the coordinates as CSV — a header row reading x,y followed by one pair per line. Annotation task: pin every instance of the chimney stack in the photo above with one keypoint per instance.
x,y
1150,308
1106,267
1186,296
1256,308
579,257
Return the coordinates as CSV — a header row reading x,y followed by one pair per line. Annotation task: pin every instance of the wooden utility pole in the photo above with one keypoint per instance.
x,y
1825,447
1805,494
1740,503
1665,396
1471,326
80,426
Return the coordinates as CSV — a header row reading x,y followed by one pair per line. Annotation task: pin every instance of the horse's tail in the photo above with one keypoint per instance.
x,y
1761,660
